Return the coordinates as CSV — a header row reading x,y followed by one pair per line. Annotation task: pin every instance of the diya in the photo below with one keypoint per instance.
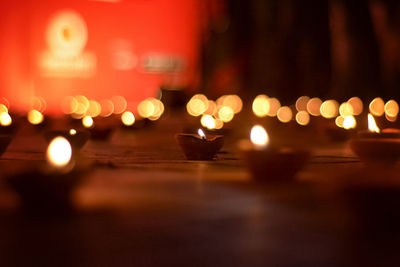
x,y
199,146
376,146
269,163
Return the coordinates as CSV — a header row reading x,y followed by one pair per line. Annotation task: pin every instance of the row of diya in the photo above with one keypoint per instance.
x,y
48,186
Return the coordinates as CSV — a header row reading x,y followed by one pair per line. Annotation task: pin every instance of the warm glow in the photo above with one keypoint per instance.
x,y
219,124
208,121
59,152
128,118
72,132
356,104
94,109
261,106
259,137
226,114
274,106
87,122
5,119
107,108
377,107
329,109
372,124
3,108
158,109
345,109
38,103
349,122
234,102
302,118
313,106
35,117
391,108
69,105
197,105
339,121
212,108
145,108
284,114
119,103
201,133
301,103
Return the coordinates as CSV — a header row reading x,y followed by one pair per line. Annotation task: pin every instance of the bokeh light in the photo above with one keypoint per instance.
x,y
339,121
107,108
259,136
302,118
301,103
35,117
119,103
128,118
349,122
357,105
208,121
345,109
261,106
59,152
226,114
377,107
5,119
329,109
391,108
313,106
197,105
87,122
284,114
274,106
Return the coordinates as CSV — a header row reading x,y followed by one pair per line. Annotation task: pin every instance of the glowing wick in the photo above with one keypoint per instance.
x,y
59,152
201,134
372,124
259,137
87,121
72,132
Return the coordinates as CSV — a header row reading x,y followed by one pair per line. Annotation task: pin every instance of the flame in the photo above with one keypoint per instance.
x,y
259,137
372,124
349,122
201,134
87,121
59,152
128,118
5,119
72,132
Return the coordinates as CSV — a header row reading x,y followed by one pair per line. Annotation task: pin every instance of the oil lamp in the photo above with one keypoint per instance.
x,y
200,146
47,187
376,146
269,163
77,138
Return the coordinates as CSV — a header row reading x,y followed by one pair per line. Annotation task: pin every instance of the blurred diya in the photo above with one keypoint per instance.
x,y
271,164
199,146
46,188
77,138
377,146
5,140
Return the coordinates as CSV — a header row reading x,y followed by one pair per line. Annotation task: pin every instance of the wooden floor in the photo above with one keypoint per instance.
x,y
143,204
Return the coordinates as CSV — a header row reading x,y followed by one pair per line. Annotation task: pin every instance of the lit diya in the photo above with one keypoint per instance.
x,y
77,138
268,163
377,146
47,188
199,146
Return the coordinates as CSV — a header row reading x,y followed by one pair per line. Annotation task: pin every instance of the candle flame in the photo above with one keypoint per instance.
x,y
201,134
372,124
259,136
59,152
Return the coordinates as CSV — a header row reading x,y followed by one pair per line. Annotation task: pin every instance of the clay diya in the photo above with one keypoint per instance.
x,y
375,146
199,146
45,188
269,163
77,138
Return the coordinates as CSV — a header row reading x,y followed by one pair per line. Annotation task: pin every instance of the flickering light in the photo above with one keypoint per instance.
x,y
349,122
259,137
72,132
261,106
274,106
346,109
329,109
391,108
107,108
35,117
201,133
302,118
208,121
284,114
59,152
372,124
87,122
377,107
313,106
356,104
226,114
128,118
301,103
339,121
119,103
5,119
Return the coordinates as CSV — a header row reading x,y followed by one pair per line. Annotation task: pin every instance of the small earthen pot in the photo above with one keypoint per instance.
x,y
196,148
